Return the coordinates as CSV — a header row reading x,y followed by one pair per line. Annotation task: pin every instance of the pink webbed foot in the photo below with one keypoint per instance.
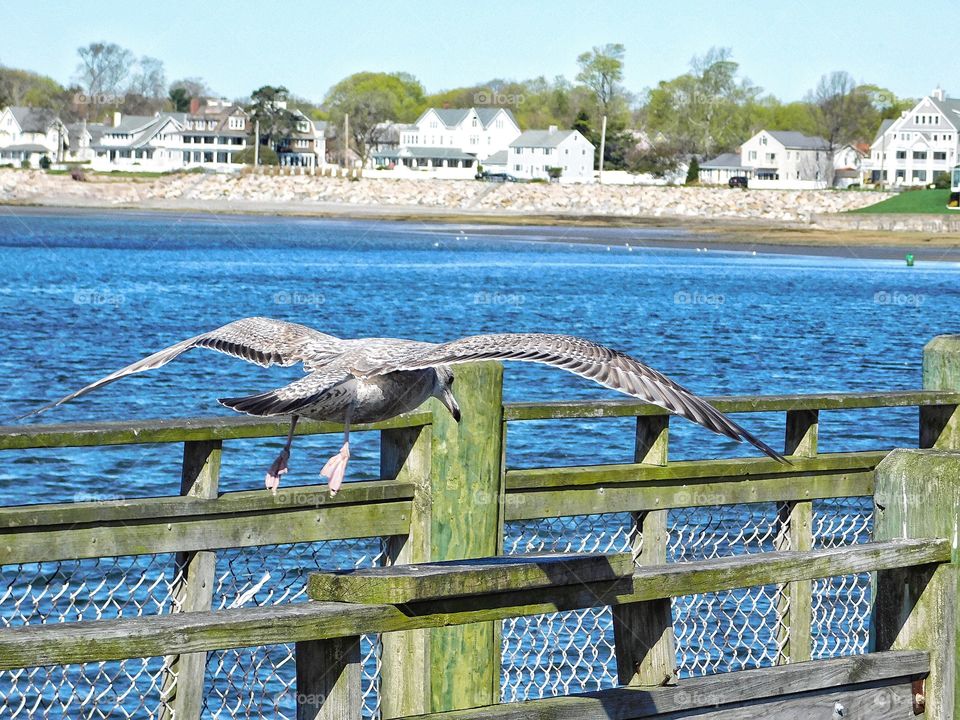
x,y
277,469
336,468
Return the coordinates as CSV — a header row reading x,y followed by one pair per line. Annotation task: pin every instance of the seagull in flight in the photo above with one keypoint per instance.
x,y
374,379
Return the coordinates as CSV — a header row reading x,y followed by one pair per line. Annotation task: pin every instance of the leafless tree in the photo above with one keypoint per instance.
x,y
838,107
104,68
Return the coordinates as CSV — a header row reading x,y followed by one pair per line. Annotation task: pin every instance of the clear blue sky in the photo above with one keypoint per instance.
x,y
239,45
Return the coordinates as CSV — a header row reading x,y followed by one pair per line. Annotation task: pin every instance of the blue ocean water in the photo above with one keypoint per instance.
x,y
84,294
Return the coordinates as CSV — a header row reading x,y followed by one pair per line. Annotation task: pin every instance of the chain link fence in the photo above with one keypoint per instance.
x,y
564,652
542,656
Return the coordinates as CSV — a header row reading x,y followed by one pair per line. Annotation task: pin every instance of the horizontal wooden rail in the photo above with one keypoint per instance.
x,y
185,524
88,641
637,487
138,432
733,404
878,684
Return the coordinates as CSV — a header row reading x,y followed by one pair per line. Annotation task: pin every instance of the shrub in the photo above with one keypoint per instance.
x,y
693,172
25,164
942,181
78,174
45,162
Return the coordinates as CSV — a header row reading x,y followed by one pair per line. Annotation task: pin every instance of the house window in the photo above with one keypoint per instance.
x,y
752,155
518,167
920,175
500,124
763,140
771,157
236,123
211,124
473,122
901,154
547,151
433,124
939,156
919,154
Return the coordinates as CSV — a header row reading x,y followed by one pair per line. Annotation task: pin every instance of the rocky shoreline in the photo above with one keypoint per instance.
x,y
303,192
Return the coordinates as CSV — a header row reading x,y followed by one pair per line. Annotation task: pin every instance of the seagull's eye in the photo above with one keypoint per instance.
x,y
450,381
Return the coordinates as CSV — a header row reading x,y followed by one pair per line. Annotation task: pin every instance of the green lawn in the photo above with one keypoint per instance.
x,y
913,201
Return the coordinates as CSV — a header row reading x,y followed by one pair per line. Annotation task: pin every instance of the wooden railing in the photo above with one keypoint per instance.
x,y
426,503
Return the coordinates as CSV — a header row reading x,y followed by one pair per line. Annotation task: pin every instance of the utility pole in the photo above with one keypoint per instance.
x,y
346,138
256,144
603,145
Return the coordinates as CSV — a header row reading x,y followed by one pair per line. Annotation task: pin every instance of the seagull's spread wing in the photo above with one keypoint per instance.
x,y
608,367
332,384
258,340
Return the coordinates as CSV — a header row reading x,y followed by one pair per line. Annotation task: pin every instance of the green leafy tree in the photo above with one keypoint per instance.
x,y
693,172
268,108
601,70
370,100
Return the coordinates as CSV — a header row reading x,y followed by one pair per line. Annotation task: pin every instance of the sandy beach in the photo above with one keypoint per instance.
x,y
772,220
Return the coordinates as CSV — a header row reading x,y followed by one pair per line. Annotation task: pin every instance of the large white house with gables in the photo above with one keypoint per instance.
x,y
532,155
914,148
28,134
449,142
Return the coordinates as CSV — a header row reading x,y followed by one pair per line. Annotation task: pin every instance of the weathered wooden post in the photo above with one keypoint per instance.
x,y
457,515
196,571
795,532
918,496
405,656
643,631
940,424
328,679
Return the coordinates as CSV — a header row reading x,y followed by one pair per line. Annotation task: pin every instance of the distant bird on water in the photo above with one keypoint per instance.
x,y
374,379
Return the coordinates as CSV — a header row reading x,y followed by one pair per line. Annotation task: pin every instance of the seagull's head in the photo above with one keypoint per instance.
x,y
443,391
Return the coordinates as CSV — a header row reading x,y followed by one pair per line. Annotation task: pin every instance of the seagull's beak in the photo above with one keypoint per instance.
x,y
450,403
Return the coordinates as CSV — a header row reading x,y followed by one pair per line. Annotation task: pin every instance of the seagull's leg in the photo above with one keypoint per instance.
x,y
279,466
336,466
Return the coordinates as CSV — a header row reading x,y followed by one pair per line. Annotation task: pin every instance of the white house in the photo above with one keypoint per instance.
x,y
213,132
532,154
28,134
782,159
476,131
914,148
84,137
151,143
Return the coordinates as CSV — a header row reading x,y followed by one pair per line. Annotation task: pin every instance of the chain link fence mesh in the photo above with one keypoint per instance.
x,y
558,653
542,656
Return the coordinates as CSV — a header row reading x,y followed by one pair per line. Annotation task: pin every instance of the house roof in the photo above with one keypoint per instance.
x,y
438,153
26,147
75,129
949,107
798,141
542,138
498,158
726,160
33,119
884,126
451,117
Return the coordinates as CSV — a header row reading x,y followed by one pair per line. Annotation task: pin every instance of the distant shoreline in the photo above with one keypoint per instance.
x,y
733,234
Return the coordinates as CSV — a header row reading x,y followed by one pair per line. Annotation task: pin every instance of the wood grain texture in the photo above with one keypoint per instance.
x,y
940,424
183,681
733,404
328,679
872,687
193,632
405,656
454,578
918,493
138,432
465,522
